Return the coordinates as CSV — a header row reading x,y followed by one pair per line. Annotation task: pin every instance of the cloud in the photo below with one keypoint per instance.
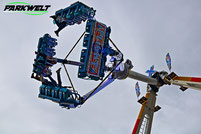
x,y
144,30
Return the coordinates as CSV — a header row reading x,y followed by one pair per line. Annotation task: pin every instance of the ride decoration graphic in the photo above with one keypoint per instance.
x,y
96,49
26,8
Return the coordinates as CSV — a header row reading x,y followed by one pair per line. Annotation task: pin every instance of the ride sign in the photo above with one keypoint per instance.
x,y
96,49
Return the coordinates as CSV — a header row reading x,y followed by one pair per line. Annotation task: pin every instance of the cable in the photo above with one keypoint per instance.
x,y
69,78
114,45
74,45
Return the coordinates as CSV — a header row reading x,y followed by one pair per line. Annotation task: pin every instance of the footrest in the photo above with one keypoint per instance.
x,y
142,100
157,108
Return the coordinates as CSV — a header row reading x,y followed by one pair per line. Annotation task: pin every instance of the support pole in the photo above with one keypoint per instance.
x,y
144,121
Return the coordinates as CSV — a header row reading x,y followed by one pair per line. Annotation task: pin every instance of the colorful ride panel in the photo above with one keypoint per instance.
x,y
75,13
97,48
65,97
44,56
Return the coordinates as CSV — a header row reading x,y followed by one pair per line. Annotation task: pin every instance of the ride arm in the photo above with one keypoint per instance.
x,y
143,78
184,82
70,62
93,92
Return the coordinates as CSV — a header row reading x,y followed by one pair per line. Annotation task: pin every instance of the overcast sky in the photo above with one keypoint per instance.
x,y
144,30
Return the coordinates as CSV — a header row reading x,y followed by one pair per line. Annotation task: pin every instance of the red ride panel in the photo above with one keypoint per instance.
x,y
193,79
96,49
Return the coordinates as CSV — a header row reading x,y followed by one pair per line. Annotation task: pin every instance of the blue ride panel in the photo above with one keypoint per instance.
x,y
97,48
65,97
44,56
74,14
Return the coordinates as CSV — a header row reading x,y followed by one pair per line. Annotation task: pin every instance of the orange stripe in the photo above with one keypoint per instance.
x,y
193,79
143,106
183,78
140,115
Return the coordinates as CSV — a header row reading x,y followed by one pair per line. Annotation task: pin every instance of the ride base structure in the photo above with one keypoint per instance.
x,y
98,50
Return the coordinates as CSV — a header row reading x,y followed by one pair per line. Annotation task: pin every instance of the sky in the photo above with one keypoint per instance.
x,y
144,30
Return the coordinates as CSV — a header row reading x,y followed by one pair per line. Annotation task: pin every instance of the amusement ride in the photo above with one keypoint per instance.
x,y
98,49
